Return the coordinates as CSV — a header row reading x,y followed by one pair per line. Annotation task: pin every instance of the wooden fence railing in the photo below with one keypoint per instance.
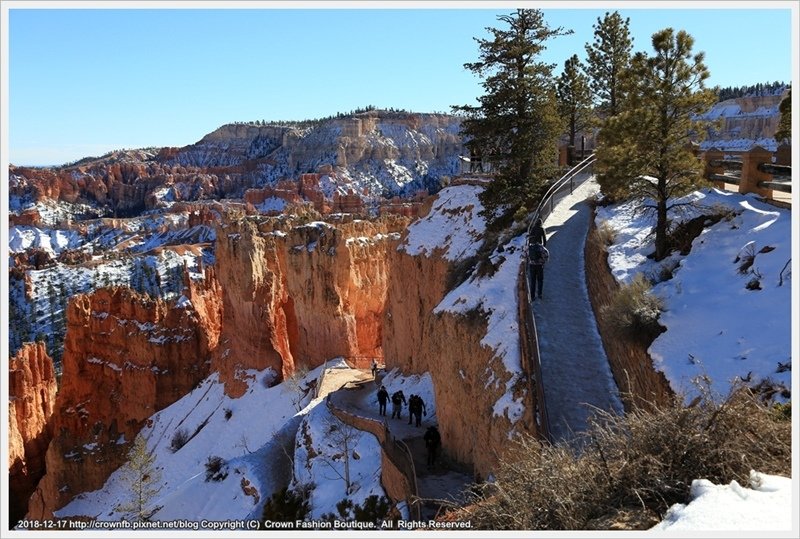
x,y
753,171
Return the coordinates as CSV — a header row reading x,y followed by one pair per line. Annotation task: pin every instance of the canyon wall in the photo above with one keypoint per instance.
x,y
295,296
32,396
449,347
126,356
278,296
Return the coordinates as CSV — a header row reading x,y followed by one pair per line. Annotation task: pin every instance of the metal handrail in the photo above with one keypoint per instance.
x,y
542,212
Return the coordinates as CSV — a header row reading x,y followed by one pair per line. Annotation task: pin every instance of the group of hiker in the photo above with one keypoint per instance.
x,y
416,406
416,409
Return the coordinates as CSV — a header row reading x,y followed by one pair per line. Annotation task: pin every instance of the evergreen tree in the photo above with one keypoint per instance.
x,y
516,126
645,150
142,478
574,99
785,125
606,61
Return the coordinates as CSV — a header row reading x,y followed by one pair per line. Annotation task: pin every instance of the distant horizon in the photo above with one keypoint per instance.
x,y
81,83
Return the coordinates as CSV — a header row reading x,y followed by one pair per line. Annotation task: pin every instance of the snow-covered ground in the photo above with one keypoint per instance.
x,y
252,434
716,326
764,505
453,226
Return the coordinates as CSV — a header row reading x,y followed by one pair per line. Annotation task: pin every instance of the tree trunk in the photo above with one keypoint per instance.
x,y
661,228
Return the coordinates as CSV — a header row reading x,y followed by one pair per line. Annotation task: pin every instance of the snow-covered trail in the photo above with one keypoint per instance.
x,y
575,372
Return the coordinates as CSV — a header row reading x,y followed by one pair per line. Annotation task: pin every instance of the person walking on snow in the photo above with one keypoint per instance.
x,y
416,407
538,235
383,396
537,258
433,440
398,400
374,368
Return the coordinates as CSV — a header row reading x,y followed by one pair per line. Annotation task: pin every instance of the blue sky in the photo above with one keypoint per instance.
x,y
85,81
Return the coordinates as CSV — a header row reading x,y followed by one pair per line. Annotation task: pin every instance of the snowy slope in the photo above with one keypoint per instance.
x,y
22,238
716,327
453,225
319,461
251,442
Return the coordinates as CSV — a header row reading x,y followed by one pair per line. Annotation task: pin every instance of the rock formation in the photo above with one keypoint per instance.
x,y
32,396
296,296
126,356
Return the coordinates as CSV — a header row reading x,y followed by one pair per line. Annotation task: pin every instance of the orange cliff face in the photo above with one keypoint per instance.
x,y
297,297
126,356
32,395
468,376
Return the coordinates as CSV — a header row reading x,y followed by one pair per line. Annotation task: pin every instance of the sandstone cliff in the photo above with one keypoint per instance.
x,y
296,296
126,356
481,398
32,396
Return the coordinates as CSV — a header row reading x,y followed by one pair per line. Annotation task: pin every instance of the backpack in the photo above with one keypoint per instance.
x,y
538,254
397,398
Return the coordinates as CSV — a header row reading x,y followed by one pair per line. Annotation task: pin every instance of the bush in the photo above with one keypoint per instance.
x,y
375,509
228,414
216,469
179,439
606,234
641,464
634,310
287,505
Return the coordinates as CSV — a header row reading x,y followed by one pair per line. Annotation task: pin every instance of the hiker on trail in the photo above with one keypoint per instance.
x,y
398,400
538,234
374,368
383,396
537,258
433,440
416,407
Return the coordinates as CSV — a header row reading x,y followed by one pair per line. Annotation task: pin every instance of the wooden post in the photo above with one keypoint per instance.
x,y
784,155
750,173
710,155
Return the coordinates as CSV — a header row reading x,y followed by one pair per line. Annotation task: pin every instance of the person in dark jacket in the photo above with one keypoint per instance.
x,y
538,256
398,400
538,235
433,440
416,407
383,397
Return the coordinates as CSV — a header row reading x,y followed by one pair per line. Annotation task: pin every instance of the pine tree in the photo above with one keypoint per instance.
x,y
606,61
645,150
574,99
785,125
516,126
142,478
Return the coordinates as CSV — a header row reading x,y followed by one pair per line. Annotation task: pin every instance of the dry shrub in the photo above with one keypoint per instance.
x,y
606,234
634,310
640,463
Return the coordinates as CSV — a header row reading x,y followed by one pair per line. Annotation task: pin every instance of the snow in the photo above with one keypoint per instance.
x,y
22,238
271,204
325,471
716,327
764,505
252,444
453,225
739,144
